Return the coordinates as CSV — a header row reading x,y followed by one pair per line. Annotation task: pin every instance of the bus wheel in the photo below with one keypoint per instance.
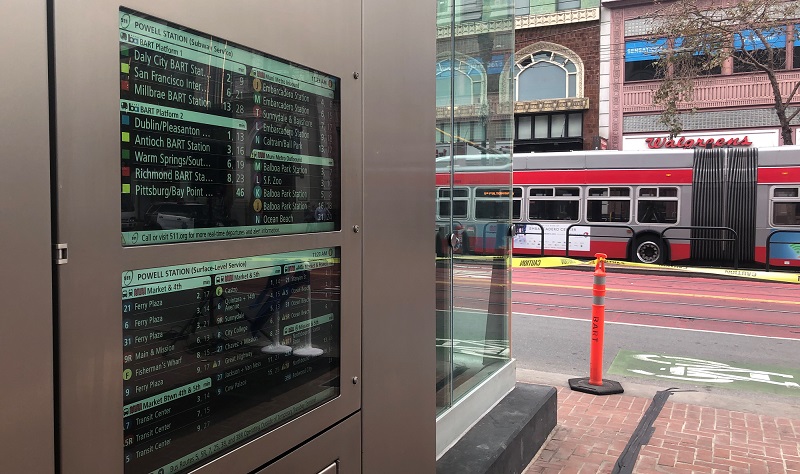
x,y
649,250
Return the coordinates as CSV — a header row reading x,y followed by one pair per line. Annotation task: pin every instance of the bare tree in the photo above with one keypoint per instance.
x,y
702,36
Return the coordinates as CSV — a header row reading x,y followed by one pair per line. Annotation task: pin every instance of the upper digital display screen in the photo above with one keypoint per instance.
x,y
221,141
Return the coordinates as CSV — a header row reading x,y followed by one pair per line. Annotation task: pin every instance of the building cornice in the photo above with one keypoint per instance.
x,y
551,105
470,28
557,18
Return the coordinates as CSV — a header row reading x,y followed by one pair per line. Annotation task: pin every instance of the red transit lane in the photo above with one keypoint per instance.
x,y
688,302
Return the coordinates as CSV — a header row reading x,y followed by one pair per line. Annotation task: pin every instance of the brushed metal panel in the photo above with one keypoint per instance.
x,y
86,42
26,325
336,451
399,284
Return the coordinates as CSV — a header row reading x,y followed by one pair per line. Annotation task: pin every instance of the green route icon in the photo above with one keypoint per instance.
x,y
219,291
707,372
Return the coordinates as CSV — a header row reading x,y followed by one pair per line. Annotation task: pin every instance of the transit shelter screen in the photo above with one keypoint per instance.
x,y
221,141
218,353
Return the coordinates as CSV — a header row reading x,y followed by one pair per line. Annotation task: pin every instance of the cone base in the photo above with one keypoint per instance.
x,y
609,387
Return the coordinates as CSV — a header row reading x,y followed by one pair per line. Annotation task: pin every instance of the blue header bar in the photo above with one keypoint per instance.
x,y
776,38
644,50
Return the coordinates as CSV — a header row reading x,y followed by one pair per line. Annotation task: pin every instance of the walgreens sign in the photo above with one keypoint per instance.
x,y
682,142
743,138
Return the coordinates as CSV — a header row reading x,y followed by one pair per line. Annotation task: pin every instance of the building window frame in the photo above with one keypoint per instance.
x,y
537,53
572,121
562,5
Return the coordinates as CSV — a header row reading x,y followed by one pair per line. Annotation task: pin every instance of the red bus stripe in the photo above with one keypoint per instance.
x,y
778,175
605,176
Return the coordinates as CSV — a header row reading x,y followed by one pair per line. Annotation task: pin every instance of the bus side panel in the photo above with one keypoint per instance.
x,y
679,251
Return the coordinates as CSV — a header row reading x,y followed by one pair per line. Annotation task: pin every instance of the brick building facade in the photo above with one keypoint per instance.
x,y
728,105
547,116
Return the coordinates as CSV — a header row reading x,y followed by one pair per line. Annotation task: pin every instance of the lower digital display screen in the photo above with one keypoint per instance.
x,y
217,353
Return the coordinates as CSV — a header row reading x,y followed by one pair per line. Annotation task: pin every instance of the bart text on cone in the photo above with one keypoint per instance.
x,y
595,384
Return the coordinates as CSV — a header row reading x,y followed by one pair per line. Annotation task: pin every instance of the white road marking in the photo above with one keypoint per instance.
x,y
515,313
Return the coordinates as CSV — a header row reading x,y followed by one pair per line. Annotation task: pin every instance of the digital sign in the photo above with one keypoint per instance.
x,y
216,353
222,141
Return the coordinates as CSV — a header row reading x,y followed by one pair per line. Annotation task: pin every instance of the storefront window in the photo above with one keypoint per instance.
x,y
641,57
748,42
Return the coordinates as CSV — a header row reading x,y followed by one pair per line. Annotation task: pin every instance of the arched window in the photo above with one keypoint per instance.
x,y
469,83
547,75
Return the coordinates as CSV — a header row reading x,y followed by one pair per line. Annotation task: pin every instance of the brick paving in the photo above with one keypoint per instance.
x,y
592,432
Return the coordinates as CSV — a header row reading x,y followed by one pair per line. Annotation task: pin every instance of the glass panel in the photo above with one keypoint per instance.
x,y
541,126
762,56
524,128
796,55
460,208
443,95
785,192
464,93
542,56
640,71
542,81
472,335
572,87
553,210
601,210
568,191
567,4
575,125
558,126
786,213
570,66
657,212
668,192
491,209
522,7
541,192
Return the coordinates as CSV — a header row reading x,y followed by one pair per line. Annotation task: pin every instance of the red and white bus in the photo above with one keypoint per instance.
x,y
711,205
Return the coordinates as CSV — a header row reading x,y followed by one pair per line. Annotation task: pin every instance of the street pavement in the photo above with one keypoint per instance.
x,y
693,433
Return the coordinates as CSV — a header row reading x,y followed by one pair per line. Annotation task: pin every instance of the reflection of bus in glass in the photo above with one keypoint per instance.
x,y
619,203
479,207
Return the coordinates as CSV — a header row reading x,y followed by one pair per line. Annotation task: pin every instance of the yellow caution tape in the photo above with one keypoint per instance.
x,y
752,274
554,262
546,262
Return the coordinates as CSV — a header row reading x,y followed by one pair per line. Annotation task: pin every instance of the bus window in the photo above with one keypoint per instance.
x,y
553,204
608,205
460,202
516,204
492,203
785,206
657,206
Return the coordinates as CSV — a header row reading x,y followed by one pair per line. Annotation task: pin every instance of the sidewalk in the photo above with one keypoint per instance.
x,y
593,431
